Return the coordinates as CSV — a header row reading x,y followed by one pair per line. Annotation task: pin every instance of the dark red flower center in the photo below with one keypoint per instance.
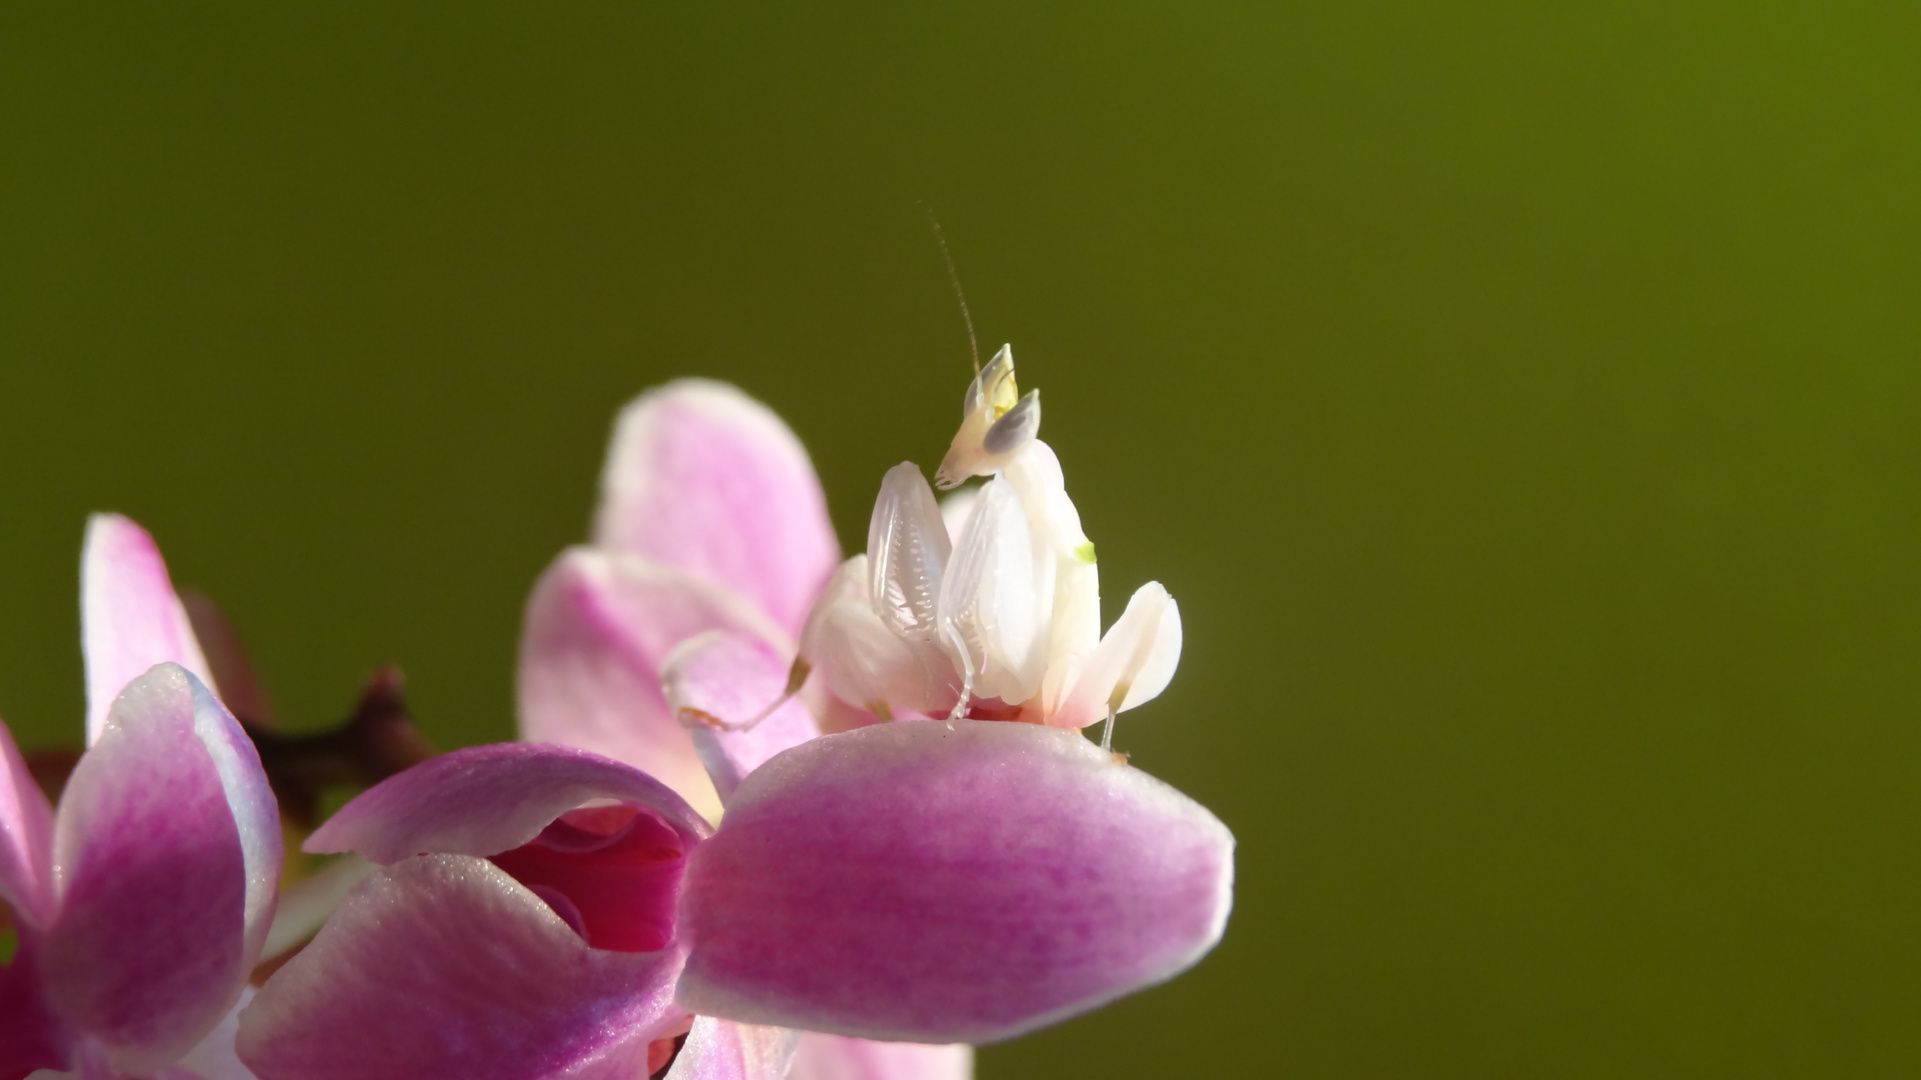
x,y
613,872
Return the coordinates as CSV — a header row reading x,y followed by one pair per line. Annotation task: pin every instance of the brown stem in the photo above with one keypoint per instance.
x,y
50,768
376,742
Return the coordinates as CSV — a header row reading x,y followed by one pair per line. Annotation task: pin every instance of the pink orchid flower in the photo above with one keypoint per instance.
x,y
141,906
939,883
901,882
711,519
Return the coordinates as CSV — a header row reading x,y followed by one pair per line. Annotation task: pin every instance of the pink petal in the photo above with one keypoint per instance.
x,y
702,477
835,1057
723,1050
129,616
306,904
612,872
214,1058
484,800
31,1036
717,682
169,848
598,627
961,882
443,966
26,839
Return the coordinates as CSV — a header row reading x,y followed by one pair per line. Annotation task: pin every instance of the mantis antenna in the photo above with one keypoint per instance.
x,y
947,257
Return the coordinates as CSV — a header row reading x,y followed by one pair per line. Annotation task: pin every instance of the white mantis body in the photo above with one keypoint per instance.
x,y
1003,619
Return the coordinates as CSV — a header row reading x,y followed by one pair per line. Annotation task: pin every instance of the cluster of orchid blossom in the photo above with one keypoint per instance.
x,y
701,863
140,907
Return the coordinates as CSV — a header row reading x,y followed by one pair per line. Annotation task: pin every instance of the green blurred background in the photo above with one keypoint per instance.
x,y
1521,400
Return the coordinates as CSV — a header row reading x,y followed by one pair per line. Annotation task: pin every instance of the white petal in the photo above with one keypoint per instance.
x,y
724,1050
307,903
836,1057
213,1058
907,548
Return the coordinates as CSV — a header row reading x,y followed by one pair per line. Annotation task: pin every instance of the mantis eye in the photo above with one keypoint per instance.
x,y
1016,428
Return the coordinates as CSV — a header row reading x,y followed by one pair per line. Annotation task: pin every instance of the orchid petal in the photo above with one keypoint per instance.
x,y
214,1057
31,1036
307,903
129,616
168,844
836,1057
723,1050
484,800
959,882
907,549
718,684
865,663
445,966
1133,664
704,478
256,813
26,839
598,626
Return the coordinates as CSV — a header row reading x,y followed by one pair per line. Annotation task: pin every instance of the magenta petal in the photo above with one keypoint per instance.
x,y
130,618
484,800
947,883
306,904
598,627
214,1058
720,681
702,477
31,1037
169,849
612,872
724,1050
836,1057
26,839
443,966
256,813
